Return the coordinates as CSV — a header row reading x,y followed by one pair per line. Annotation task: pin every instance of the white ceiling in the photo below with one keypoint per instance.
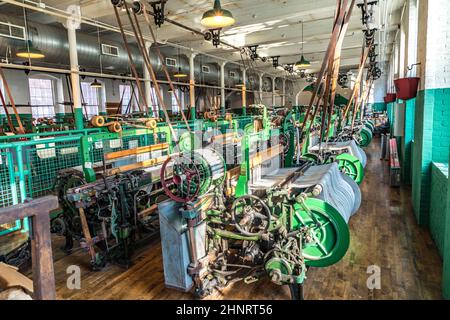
x,y
272,24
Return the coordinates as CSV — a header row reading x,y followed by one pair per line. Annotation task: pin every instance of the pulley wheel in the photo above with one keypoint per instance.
x,y
351,166
310,157
151,124
366,137
98,121
325,243
185,142
249,129
114,127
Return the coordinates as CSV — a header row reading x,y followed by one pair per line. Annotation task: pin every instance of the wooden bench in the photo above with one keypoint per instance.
x,y
394,164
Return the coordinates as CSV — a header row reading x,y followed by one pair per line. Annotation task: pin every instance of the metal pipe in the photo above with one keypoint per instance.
x,y
273,92
147,83
104,75
37,6
192,85
244,91
222,87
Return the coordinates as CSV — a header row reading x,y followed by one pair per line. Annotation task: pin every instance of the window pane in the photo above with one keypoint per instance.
x,y
91,99
41,98
125,96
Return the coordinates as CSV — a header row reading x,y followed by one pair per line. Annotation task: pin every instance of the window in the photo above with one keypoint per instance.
x,y
110,50
171,62
90,98
180,95
205,69
42,98
125,97
12,31
232,74
153,101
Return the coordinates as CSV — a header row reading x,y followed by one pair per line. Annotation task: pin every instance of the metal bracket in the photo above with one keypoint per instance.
x,y
253,52
158,11
275,61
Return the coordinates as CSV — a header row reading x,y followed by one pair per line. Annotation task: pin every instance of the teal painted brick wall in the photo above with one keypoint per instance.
x,y
407,141
431,143
446,267
390,112
379,106
438,207
423,132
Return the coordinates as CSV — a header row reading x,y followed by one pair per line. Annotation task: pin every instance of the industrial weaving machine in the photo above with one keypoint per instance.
x,y
225,222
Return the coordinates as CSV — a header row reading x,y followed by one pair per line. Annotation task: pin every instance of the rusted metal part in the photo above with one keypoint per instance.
x,y
166,72
357,84
337,63
328,53
130,57
41,246
8,117
11,100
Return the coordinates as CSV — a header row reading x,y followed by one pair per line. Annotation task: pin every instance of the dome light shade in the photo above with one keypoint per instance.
x,y
30,52
217,18
96,84
303,63
180,74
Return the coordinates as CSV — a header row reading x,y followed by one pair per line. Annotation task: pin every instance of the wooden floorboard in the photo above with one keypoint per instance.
x,y
383,233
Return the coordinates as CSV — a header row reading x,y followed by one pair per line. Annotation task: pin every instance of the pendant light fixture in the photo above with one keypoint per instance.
x,y
179,74
96,84
303,63
217,17
29,51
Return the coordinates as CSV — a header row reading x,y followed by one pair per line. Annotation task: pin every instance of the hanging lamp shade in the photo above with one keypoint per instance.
x,y
303,63
180,74
96,84
217,17
30,52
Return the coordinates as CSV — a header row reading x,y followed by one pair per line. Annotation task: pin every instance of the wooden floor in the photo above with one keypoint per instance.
x,y
383,233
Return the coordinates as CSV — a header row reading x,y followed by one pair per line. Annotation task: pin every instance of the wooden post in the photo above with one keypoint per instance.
x,y
38,211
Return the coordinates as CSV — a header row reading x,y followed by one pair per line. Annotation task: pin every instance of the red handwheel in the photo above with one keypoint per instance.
x,y
185,176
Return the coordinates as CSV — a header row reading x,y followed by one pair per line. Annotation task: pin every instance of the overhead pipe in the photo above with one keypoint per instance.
x,y
52,11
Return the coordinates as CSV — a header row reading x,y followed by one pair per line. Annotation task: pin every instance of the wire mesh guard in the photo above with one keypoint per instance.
x,y
45,160
8,191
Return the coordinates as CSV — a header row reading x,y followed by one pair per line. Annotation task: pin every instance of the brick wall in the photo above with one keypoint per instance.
x,y
446,267
438,208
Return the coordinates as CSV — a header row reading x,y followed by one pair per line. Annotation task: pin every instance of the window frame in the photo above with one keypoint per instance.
x,y
104,45
90,108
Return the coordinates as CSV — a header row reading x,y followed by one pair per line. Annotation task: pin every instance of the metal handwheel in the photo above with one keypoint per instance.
x,y
251,215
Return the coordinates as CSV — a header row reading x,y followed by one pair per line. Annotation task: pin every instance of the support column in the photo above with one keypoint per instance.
x,y
261,88
410,27
244,91
222,87
192,85
74,72
148,84
273,91
283,97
